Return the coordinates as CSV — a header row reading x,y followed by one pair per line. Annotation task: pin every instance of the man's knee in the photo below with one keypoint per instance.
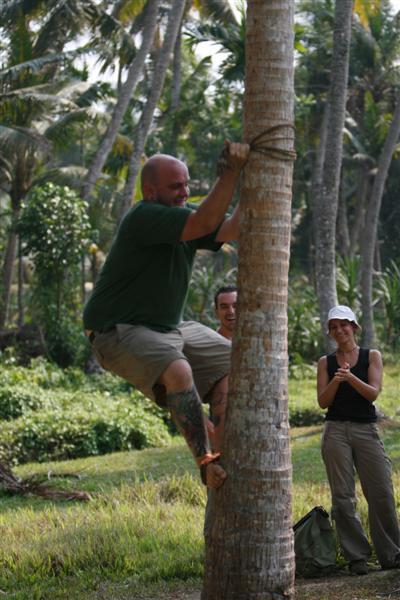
x,y
177,377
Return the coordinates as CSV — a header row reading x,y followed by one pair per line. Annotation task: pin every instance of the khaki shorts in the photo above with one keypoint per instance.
x,y
140,355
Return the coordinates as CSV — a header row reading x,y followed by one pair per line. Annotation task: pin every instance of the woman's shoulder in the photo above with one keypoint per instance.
x,y
374,354
371,356
322,362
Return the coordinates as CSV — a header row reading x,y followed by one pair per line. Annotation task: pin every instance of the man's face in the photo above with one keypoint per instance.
x,y
226,312
171,184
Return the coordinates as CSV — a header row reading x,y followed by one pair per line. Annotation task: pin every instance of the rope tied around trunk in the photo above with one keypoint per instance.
x,y
264,143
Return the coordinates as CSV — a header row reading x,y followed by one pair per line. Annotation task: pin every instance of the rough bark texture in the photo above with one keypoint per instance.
x,y
125,94
371,226
343,234
249,553
359,217
160,70
327,203
7,275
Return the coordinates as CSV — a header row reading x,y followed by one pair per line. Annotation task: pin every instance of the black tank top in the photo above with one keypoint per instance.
x,y
348,404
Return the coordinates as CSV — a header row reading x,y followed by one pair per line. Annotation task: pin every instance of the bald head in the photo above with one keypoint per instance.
x,y
156,164
164,179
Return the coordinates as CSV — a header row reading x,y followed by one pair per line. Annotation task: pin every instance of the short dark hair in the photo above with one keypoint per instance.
x,y
225,289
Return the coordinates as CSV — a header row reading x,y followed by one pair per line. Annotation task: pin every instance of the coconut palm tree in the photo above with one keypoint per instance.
x,y
160,68
249,551
371,224
31,98
326,201
124,96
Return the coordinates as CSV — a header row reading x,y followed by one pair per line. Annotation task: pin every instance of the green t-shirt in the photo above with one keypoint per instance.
x,y
146,276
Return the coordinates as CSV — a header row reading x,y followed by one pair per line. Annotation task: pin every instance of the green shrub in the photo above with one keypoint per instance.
x,y
79,431
16,399
54,229
50,376
303,417
304,328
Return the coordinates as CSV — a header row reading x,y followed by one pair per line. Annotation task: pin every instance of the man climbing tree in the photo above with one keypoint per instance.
x,y
249,544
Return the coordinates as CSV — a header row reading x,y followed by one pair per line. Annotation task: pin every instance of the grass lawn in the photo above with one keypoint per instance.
x,y
141,534
143,528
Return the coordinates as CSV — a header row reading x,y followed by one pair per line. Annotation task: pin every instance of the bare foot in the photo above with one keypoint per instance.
x,y
215,475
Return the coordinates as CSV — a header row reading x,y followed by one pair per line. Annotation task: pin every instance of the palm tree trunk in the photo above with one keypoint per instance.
x,y
249,552
160,69
8,268
20,285
343,237
176,90
371,226
359,217
326,204
127,90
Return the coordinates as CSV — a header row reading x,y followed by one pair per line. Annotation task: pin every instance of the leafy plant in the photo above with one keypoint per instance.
x,y
15,400
55,229
304,329
388,291
80,430
206,279
347,281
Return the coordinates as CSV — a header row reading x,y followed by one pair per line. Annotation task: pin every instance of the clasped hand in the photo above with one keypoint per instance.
x,y
343,373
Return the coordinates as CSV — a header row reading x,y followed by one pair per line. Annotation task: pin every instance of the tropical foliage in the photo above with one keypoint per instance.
x,y
63,68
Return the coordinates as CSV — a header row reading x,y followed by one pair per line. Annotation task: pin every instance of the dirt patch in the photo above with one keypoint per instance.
x,y
377,585
380,585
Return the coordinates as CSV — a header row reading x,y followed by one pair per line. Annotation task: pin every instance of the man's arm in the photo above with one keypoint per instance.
x,y
213,208
229,229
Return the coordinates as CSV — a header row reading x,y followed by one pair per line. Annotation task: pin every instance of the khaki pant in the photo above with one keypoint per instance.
x,y
346,447
140,355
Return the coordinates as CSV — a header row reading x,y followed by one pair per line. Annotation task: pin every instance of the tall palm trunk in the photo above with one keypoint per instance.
x,y
17,194
357,230
371,225
326,204
343,233
160,70
176,90
249,552
125,94
7,275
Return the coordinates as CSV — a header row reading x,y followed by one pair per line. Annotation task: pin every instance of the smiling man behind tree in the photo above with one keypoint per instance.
x,y
225,300
134,316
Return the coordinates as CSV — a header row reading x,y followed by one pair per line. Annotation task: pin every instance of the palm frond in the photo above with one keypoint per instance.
x,y
34,96
6,173
65,129
10,10
21,139
127,10
65,22
119,41
229,38
99,91
36,65
218,10
71,175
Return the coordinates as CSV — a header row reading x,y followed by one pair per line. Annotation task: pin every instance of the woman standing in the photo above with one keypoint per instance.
x,y
348,382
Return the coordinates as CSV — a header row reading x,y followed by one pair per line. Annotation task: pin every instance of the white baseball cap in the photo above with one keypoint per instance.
x,y
344,313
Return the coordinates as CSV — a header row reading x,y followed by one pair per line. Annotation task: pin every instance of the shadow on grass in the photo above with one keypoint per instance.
x,y
102,474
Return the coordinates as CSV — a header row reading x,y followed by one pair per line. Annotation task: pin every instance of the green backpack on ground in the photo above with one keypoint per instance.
x,y
314,544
